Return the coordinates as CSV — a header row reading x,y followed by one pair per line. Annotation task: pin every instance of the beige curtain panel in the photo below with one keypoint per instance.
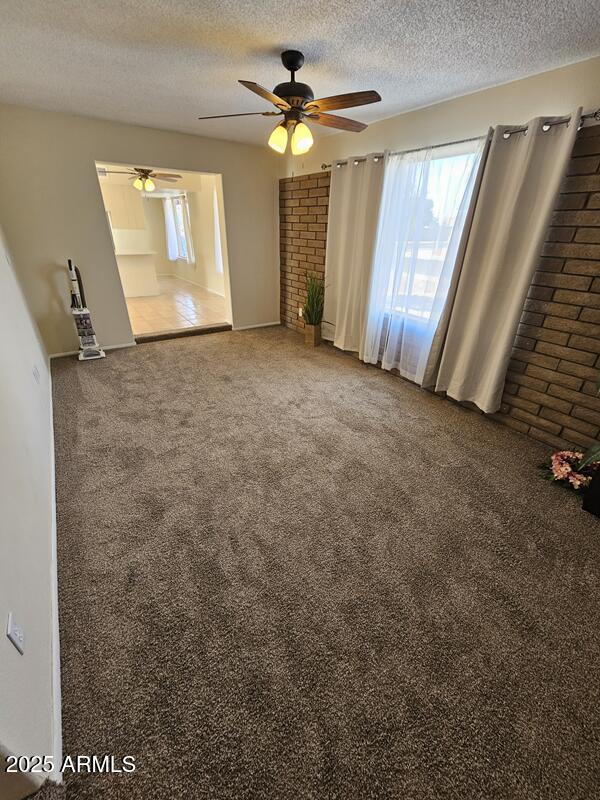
x,y
355,196
434,356
520,182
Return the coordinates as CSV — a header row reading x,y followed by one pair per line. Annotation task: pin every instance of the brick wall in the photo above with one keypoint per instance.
x,y
550,391
303,206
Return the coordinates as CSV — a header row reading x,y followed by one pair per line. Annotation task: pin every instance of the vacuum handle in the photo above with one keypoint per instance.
x,y
77,291
80,284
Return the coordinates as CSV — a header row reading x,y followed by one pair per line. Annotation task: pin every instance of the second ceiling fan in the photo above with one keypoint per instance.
x,y
295,102
142,176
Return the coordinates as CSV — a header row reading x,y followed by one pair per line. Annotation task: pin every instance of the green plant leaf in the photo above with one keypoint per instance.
x,y
315,298
593,454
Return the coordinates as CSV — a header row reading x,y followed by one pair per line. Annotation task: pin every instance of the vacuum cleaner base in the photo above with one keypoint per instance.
x,y
90,354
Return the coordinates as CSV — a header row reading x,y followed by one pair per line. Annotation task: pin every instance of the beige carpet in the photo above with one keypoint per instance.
x,y
285,575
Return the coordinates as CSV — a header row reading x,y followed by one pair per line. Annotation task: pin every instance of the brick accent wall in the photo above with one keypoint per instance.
x,y
550,392
303,208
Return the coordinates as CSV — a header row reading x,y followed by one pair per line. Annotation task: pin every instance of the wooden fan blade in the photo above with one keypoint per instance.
x,y
331,121
166,180
266,94
343,101
118,172
165,175
246,114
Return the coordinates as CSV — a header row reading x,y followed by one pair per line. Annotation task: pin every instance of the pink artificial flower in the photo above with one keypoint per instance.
x,y
577,480
562,467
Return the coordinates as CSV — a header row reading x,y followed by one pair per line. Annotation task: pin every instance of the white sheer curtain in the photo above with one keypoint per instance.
x,y
521,179
353,208
170,229
178,229
184,225
425,201
217,234
191,255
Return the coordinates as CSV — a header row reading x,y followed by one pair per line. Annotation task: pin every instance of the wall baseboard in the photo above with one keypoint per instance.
x,y
108,347
195,283
257,325
57,749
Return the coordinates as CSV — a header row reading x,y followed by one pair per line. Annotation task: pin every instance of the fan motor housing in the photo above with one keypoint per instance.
x,y
297,94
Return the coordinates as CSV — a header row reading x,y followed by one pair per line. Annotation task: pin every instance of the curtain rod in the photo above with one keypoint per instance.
x,y
377,156
591,115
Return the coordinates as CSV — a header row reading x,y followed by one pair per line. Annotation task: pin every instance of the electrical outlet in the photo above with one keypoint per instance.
x,y
15,633
299,312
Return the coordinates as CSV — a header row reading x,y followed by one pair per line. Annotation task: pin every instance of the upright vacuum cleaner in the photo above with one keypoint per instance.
x,y
88,344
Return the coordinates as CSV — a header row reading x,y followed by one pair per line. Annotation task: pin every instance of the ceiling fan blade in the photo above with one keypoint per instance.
x,y
331,121
266,94
117,172
246,114
165,175
166,180
343,101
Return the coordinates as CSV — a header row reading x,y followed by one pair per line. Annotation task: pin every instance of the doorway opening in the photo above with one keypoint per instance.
x,y
168,234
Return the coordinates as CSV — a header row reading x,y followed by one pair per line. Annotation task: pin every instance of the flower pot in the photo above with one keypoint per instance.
x,y
591,497
312,335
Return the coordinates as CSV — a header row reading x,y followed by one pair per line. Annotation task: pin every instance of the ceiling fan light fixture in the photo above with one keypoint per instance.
x,y
138,184
295,100
149,185
302,139
278,139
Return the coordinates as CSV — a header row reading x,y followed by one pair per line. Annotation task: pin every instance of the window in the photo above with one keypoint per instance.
x,y
424,203
178,229
422,239
182,247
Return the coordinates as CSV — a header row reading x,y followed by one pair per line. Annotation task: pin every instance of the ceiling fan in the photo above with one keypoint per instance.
x,y
142,177
295,102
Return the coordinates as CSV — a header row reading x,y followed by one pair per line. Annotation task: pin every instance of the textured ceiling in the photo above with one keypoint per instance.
x,y
162,63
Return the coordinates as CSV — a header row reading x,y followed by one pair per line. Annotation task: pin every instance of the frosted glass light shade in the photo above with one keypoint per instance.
x,y
149,185
278,139
302,139
138,184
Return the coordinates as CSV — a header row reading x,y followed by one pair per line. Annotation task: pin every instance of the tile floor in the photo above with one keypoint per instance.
x,y
179,305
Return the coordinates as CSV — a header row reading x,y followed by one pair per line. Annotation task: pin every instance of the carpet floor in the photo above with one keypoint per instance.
x,y
285,575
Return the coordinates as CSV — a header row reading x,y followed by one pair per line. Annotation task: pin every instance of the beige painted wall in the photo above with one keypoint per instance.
x,y
27,533
124,205
551,93
204,271
51,209
155,222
